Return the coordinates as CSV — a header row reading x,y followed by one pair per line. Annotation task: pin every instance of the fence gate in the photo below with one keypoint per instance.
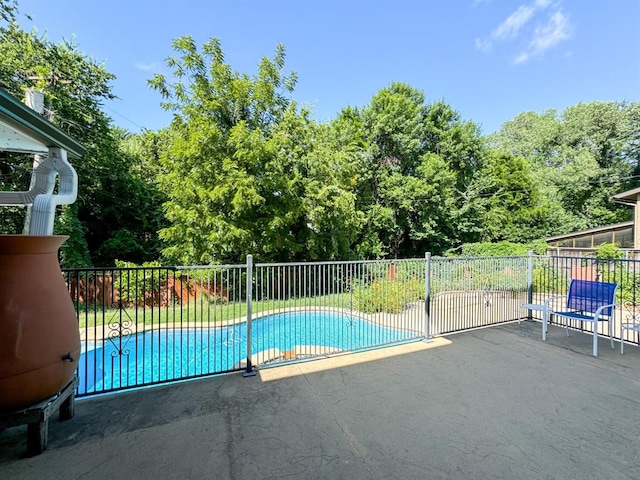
x,y
469,293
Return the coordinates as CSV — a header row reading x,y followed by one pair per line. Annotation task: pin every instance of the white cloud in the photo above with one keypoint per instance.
x,y
512,25
521,58
483,44
555,31
146,67
526,25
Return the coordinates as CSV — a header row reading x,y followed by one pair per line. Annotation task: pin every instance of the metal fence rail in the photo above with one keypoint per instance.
x,y
476,292
552,275
147,325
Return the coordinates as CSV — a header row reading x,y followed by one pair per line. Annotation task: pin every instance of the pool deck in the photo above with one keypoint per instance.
x,y
495,403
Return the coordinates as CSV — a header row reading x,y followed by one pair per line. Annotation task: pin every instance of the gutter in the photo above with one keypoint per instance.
x,y
22,118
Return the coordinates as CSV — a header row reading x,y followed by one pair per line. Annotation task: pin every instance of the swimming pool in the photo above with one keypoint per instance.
x,y
170,354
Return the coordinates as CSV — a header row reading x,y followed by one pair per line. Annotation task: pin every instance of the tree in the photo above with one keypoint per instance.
x,y
74,252
418,172
462,148
421,205
138,216
515,209
579,159
233,183
394,126
75,86
332,219
8,10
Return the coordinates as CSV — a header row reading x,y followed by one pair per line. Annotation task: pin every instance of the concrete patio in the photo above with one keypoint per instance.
x,y
496,403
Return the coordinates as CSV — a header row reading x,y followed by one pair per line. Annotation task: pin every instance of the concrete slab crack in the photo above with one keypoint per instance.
x,y
353,441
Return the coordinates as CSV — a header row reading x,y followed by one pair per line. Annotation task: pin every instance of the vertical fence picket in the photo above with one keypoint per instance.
x,y
249,291
427,296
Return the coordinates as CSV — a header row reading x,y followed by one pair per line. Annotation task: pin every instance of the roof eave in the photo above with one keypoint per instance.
x,y
21,117
626,197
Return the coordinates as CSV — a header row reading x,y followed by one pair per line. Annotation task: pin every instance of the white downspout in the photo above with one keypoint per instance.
x,y
41,196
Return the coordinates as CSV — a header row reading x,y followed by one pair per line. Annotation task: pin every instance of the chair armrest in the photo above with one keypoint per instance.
x,y
550,299
600,309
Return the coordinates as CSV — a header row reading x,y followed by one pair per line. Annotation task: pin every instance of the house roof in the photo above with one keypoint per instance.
x,y
630,196
24,130
605,228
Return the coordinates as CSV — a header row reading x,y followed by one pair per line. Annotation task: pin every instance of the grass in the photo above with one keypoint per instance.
x,y
379,296
200,310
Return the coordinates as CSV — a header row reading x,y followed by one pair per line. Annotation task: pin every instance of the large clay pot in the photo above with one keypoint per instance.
x,y
39,337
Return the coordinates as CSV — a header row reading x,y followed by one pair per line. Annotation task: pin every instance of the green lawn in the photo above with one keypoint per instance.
x,y
381,295
199,311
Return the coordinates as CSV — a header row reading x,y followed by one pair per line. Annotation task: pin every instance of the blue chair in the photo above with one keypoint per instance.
x,y
587,301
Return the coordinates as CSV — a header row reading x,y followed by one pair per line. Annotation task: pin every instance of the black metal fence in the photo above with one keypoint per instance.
x,y
147,325
468,293
552,275
141,326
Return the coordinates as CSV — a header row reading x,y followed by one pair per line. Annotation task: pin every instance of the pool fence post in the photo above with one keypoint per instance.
x,y
249,371
529,283
427,297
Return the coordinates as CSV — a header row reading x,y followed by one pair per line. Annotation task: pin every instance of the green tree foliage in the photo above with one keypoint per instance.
x,y
331,219
75,251
578,159
8,10
15,174
462,148
114,203
137,217
232,167
415,174
247,171
609,251
515,209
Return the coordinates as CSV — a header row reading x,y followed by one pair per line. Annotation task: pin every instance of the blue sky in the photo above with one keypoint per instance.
x,y
488,59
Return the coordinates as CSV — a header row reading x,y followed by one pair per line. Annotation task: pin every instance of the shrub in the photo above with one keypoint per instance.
x,y
499,249
547,279
609,251
384,295
134,283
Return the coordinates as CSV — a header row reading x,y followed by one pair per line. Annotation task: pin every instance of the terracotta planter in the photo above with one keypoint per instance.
x,y
38,328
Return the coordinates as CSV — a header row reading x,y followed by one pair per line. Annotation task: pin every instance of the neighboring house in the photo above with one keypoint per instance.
x,y
585,242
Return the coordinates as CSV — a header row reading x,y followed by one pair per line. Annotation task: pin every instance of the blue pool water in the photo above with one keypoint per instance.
x,y
160,355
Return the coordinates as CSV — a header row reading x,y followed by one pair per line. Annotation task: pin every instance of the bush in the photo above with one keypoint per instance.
x,y
609,250
499,249
547,279
390,296
620,272
134,281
